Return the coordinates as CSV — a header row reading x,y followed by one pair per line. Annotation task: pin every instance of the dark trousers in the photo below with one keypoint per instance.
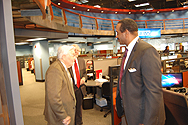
x,y
79,100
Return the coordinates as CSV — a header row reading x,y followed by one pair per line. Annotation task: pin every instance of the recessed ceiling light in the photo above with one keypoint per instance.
x,y
102,11
97,6
129,12
58,3
131,0
88,9
63,41
37,39
172,10
23,43
143,12
73,7
84,1
157,11
143,4
115,12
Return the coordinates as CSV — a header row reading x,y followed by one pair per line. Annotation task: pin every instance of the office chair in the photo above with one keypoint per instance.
x,y
105,91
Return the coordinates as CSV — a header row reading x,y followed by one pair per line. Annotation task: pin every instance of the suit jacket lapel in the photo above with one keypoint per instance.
x,y
131,56
72,75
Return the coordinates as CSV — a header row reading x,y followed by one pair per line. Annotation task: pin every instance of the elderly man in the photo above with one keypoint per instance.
x,y
60,98
78,73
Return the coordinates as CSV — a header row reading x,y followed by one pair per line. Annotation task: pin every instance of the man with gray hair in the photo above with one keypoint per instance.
x,y
78,73
60,98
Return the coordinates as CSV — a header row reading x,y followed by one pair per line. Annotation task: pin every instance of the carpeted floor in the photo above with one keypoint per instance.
x,y
32,99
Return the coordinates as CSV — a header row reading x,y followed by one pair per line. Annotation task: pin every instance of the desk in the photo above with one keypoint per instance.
x,y
93,84
176,108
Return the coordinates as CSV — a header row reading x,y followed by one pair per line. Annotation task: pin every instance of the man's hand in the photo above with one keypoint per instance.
x,y
82,81
67,120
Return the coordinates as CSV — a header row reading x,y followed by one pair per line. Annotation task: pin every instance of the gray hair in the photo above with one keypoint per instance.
x,y
63,50
76,46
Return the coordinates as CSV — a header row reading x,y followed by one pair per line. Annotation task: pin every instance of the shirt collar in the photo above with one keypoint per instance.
x,y
64,65
131,45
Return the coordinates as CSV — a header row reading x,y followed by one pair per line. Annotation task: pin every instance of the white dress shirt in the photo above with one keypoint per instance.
x,y
130,48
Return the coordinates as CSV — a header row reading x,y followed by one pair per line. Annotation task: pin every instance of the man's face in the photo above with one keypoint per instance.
x,y
69,58
121,36
77,51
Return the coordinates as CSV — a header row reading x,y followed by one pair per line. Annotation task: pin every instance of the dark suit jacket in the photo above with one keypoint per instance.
x,y
59,95
142,96
82,69
79,92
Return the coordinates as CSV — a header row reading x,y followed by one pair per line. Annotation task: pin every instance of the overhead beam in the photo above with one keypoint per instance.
x,y
41,34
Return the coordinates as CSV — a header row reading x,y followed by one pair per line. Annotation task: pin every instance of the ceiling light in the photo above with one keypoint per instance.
x,y
84,1
172,10
143,12
36,39
73,7
157,11
149,8
97,6
78,2
23,43
63,41
131,0
129,12
115,12
59,4
143,4
88,9
102,11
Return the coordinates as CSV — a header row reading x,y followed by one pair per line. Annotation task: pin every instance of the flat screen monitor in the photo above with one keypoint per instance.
x,y
114,71
172,80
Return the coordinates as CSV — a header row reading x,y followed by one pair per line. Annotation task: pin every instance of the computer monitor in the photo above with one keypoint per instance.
x,y
172,80
114,71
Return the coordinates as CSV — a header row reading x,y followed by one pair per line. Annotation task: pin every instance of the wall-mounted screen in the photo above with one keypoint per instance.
x,y
172,80
149,33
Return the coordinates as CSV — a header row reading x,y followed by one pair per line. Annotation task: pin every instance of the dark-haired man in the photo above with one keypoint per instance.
x,y
139,94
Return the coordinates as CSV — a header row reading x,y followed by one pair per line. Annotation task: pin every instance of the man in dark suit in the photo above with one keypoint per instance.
x,y
78,83
139,93
60,101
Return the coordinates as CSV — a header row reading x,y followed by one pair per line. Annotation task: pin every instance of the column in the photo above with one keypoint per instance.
x,y
41,59
8,55
115,45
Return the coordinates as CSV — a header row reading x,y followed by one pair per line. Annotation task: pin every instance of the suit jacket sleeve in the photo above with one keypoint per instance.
x,y
82,67
151,76
83,73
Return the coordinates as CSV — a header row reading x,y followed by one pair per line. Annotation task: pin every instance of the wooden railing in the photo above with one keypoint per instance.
x,y
95,23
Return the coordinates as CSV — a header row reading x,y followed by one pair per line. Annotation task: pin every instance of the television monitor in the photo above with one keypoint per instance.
x,y
172,80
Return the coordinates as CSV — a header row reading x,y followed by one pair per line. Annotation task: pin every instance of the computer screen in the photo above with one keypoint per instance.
x,y
172,80
114,71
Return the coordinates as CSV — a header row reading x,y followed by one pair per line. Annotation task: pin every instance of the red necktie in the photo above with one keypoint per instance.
x,y
77,74
122,69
